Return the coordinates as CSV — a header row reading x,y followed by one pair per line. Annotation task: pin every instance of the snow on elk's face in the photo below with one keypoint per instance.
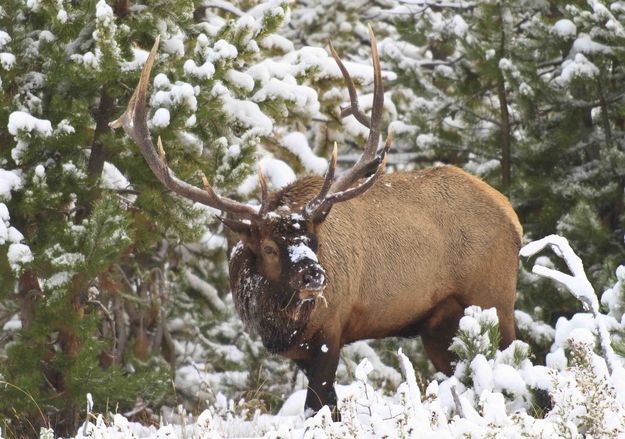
x,y
286,256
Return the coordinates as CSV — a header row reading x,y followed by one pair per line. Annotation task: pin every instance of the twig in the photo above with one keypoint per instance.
x,y
457,402
577,283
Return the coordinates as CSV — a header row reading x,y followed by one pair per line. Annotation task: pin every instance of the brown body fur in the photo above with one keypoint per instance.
x,y
406,258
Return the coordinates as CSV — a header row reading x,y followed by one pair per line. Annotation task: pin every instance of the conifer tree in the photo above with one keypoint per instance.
x,y
99,265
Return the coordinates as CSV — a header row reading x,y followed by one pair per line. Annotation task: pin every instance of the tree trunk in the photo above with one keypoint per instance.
x,y
504,115
505,133
98,154
28,290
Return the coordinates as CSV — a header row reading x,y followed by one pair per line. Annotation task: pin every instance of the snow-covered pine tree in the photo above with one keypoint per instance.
x,y
99,265
570,161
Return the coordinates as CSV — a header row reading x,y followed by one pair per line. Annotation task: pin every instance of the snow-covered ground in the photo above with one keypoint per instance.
x,y
584,404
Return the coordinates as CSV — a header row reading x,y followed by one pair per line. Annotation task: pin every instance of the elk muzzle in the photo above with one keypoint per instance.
x,y
309,280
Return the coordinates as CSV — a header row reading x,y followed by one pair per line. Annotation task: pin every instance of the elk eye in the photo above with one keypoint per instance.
x,y
269,250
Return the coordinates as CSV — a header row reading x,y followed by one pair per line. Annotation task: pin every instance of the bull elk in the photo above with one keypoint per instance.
x,y
326,261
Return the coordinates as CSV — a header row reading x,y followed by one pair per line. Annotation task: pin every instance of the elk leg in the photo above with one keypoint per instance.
x,y
438,331
320,370
507,327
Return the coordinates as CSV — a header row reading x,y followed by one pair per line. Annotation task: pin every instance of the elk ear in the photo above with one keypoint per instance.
x,y
242,229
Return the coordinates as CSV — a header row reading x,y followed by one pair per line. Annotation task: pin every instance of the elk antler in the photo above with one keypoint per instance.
x,y
134,122
264,193
341,189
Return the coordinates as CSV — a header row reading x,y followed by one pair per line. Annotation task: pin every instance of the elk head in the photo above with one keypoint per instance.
x,y
283,244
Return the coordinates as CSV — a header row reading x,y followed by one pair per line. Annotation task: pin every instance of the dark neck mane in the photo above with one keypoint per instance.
x,y
271,313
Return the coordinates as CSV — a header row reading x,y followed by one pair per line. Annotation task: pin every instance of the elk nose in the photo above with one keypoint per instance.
x,y
313,278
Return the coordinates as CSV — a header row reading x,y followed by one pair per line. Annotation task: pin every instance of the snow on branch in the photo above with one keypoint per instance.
x,y
577,283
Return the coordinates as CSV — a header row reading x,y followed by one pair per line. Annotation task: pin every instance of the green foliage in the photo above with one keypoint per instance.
x,y
478,334
107,255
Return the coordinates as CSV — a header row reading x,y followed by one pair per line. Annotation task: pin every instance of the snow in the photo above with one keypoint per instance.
x,y
62,16
46,36
7,60
564,28
556,360
581,289
223,50
103,10
20,121
9,181
40,171
300,252
614,298
204,71
460,27
578,283
112,178
482,374
278,42
507,378
539,331
303,98
369,412
161,81
585,44
5,39
494,408
140,56
174,45
243,112
14,235
240,80
277,173
297,144
161,118
65,127
14,324
180,93
363,369
19,254
183,93
4,213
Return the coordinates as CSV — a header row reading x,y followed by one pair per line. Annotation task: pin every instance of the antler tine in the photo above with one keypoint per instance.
x,y
353,192
354,108
340,190
264,192
320,205
378,99
327,183
365,161
134,122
